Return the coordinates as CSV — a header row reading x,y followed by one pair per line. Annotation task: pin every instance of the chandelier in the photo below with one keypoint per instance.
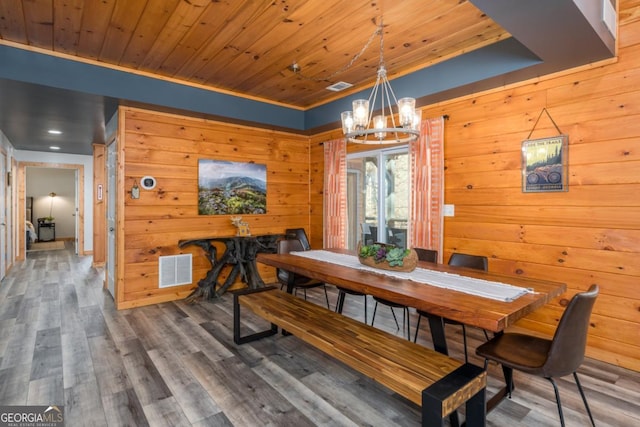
x,y
362,127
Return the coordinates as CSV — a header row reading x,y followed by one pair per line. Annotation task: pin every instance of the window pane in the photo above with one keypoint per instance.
x,y
362,199
378,198
397,198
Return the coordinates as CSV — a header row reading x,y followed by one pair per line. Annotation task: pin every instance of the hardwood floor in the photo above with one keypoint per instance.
x,y
62,342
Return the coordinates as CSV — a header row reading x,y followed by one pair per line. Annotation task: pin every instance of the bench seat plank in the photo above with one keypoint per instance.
x,y
402,366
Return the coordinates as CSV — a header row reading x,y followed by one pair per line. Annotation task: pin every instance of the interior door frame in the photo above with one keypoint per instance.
x,y
111,219
22,187
5,216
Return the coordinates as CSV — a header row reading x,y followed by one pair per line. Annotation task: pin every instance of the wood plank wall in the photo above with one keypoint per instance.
x,y
168,147
99,206
590,234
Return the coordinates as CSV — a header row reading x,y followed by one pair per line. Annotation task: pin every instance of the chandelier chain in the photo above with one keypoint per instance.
x,y
296,68
380,29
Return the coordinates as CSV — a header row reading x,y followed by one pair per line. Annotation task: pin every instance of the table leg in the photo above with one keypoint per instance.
x,y
240,251
436,325
504,392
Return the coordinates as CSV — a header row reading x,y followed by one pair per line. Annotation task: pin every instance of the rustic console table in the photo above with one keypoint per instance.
x,y
240,252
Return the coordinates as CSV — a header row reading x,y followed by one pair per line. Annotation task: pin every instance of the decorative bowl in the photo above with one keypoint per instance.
x,y
409,262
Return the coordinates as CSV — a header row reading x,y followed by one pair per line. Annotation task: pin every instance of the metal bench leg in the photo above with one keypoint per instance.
x,y
476,410
236,319
434,396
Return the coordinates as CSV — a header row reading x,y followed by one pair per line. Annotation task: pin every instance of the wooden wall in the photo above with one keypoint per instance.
x,y
168,147
99,205
590,234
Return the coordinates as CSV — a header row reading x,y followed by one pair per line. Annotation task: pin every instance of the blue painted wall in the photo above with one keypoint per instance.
x,y
32,67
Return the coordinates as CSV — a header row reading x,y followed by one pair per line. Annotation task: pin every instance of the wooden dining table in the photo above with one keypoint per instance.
x,y
472,310
440,303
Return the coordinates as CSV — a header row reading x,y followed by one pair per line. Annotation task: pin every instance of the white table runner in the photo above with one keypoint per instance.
x,y
469,285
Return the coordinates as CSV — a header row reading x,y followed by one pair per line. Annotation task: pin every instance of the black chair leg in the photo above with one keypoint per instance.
x,y
464,342
365,310
508,378
340,304
340,301
406,316
584,398
415,337
373,318
555,389
326,296
394,318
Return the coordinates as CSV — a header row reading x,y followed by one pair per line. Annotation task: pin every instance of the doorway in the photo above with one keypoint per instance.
x,y
4,203
378,197
57,191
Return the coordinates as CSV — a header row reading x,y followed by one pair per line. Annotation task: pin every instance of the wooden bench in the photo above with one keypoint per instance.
x,y
437,382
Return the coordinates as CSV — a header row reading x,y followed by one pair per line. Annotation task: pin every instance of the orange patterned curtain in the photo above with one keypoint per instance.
x,y
335,193
427,186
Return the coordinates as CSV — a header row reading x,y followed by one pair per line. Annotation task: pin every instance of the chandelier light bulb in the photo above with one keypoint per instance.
x,y
380,122
361,113
347,122
406,110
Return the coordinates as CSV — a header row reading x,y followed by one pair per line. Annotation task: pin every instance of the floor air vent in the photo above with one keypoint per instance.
x,y
174,270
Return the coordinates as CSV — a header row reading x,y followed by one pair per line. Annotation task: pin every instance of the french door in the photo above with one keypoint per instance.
x,y
378,197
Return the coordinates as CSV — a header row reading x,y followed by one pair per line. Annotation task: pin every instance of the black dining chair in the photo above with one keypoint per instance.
x,y
427,255
343,292
300,234
548,358
291,281
369,238
477,262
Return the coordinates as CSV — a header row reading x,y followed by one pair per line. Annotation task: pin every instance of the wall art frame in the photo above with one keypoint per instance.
x,y
545,165
231,188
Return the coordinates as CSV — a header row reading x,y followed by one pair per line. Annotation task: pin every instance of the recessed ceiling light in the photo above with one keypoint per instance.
x,y
54,147
54,132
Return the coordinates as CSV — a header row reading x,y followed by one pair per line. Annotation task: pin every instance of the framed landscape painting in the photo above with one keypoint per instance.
x,y
231,188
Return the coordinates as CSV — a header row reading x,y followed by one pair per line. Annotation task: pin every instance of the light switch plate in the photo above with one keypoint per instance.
x,y
448,210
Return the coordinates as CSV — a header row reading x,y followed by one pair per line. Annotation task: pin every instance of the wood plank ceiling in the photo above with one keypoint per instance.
x,y
248,46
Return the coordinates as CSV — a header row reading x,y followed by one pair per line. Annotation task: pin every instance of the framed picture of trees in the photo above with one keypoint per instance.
x,y
231,188
544,164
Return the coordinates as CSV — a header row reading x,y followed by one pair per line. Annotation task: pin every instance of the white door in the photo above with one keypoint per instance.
x,y
75,214
111,217
3,217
